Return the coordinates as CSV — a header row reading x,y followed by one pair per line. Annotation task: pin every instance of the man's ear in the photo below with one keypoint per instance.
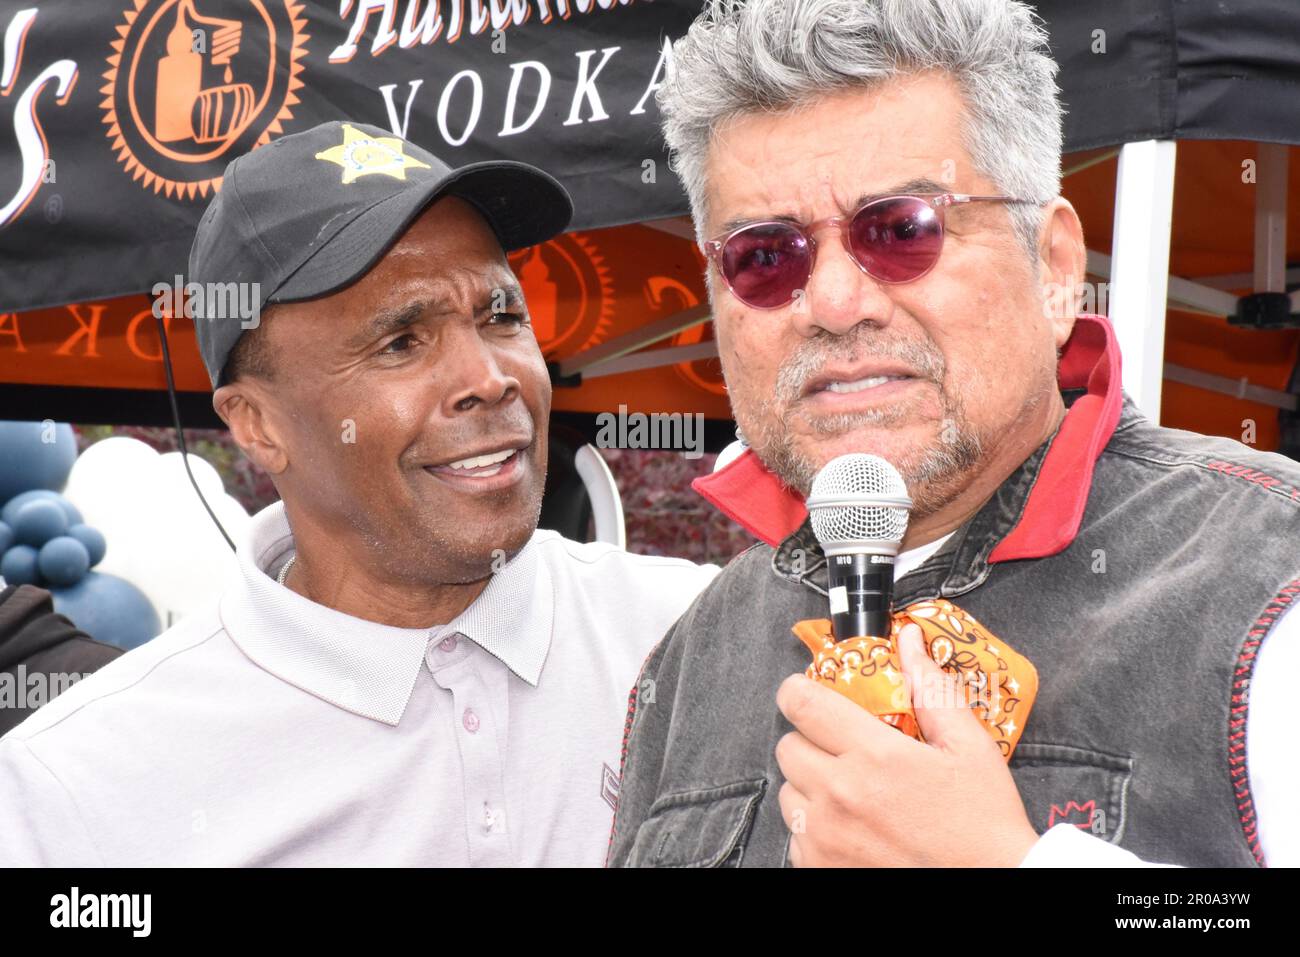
x,y
1063,266
243,406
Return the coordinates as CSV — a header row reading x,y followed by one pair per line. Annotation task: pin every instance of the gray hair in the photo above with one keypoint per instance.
x,y
774,55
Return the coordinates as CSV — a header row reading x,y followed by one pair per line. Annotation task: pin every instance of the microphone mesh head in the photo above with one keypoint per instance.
x,y
858,498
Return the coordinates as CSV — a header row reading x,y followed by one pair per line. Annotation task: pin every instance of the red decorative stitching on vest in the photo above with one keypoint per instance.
x,y
1262,479
1239,709
622,757
1080,815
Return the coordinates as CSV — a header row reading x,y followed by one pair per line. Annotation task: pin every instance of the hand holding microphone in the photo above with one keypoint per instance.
x,y
858,508
859,793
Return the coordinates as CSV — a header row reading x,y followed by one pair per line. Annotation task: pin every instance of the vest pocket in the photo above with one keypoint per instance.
x,y
1064,784
703,827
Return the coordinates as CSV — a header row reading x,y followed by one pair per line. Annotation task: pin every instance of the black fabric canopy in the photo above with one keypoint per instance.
x,y
1177,69
145,129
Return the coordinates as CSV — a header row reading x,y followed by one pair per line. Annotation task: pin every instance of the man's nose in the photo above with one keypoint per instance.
x,y
477,376
838,294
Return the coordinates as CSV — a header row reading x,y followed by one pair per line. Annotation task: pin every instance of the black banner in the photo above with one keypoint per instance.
x,y
117,117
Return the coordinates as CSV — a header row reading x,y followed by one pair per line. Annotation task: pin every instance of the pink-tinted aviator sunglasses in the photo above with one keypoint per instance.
x,y
893,239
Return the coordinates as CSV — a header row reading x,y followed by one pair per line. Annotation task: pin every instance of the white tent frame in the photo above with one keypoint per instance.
x,y
1141,289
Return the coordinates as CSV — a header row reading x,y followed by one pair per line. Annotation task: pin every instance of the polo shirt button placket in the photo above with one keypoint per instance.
x,y
439,653
470,720
463,673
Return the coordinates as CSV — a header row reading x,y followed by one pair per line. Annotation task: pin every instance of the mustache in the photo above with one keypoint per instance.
x,y
467,436
813,355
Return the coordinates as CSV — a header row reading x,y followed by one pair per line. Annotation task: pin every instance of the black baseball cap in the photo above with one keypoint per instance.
x,y
310,213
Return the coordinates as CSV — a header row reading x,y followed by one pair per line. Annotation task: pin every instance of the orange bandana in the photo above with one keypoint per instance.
x,y
998,683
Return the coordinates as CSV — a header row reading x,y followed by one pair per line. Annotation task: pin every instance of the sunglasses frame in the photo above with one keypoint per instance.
x,y
937,201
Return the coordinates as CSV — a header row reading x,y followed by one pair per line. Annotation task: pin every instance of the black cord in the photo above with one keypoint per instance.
x,y
180,434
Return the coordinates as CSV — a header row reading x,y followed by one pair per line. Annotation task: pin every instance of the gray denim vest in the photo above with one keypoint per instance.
x,y
1143,630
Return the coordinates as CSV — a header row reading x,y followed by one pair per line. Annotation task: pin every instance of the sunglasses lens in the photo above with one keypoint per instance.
x,y
765,264
897,240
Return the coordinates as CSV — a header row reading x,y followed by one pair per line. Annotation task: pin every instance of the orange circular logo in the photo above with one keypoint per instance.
x,y
666,295
187,90
570,293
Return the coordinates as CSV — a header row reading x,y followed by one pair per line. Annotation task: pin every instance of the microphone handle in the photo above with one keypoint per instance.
x,y
861,591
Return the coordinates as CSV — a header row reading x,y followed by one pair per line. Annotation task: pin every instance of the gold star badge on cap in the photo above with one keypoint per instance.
x,y
361,154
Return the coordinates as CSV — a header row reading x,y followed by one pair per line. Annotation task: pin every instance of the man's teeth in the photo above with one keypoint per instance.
x,y
860,384
483,461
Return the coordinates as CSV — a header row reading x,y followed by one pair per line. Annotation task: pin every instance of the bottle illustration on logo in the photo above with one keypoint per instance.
x,y
543,295
184,109
187,90
570,293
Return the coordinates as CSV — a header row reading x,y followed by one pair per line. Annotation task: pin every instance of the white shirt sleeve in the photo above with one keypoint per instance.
x,y
40,824
1274,774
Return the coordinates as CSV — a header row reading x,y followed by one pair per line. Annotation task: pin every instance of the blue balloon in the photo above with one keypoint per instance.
x,y
6,537
63,561
37,522
18,566
29,459
33,495
108,609
92,538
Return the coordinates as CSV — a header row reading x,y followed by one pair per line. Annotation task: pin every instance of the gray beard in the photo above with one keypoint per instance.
x,y
934,475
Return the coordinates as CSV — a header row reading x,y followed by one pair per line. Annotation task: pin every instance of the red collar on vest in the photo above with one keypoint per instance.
x,y
746,492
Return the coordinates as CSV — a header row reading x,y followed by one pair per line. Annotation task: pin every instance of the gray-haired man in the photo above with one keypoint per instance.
x,y
876,184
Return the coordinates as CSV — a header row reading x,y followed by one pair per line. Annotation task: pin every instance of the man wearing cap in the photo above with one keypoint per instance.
x,y
405,670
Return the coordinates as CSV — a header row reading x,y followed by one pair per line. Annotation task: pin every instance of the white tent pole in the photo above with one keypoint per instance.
x,y
1184,294
1270,217
1242,280
646,335
1144,200
1241,388
654,358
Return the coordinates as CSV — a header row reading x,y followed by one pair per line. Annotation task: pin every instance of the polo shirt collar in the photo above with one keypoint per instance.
x,y
514,617
363,666
749,494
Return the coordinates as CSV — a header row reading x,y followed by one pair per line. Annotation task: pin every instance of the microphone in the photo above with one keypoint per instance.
x,y
859,507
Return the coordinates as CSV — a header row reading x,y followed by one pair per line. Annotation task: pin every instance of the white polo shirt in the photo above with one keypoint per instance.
x,y
270,730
